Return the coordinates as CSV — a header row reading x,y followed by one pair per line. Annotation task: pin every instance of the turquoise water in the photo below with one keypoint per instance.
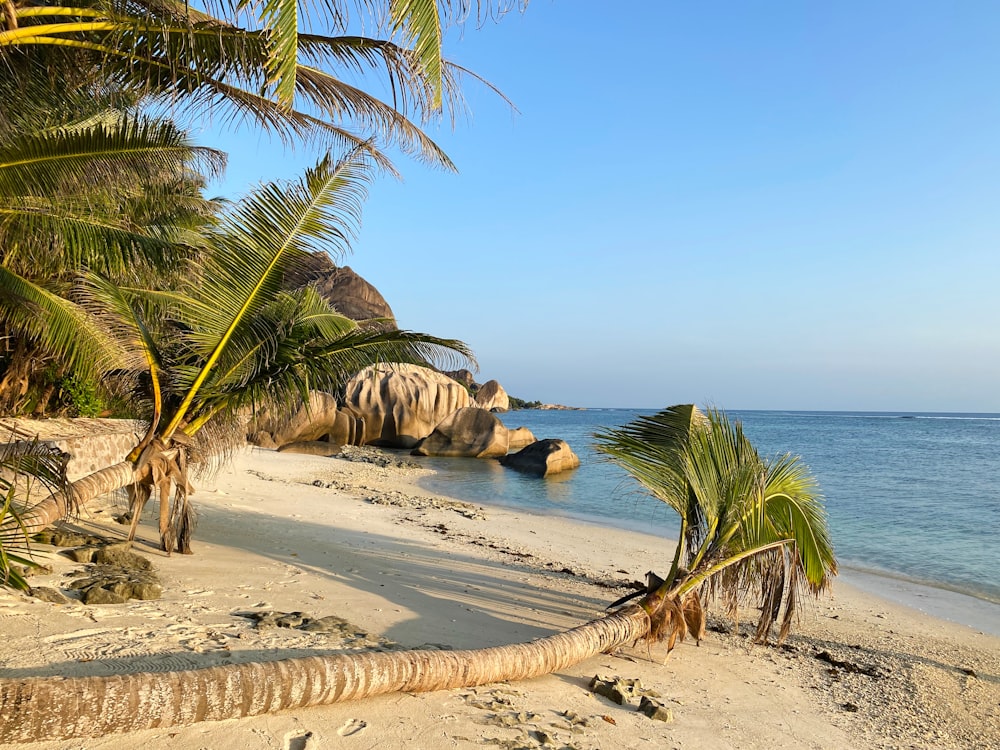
x,y
910,496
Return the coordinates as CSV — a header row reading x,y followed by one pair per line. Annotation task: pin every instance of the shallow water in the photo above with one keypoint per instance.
x,y
910,497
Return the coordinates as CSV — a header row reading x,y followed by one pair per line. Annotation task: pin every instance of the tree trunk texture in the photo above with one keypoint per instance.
x,y
49,708
60,504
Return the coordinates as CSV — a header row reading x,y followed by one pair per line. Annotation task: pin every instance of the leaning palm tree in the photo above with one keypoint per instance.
x,y
260,62
228,339
747,525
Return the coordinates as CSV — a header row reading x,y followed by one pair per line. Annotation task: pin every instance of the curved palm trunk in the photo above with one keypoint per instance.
x,y
57,708
59,504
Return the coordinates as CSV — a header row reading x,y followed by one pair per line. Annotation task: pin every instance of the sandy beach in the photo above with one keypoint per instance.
x,y
352,539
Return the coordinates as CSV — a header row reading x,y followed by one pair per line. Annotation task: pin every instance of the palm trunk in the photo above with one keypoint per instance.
x,y
48,708
59,504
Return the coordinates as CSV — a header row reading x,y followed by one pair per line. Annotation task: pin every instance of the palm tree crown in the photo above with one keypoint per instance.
x,y
749,526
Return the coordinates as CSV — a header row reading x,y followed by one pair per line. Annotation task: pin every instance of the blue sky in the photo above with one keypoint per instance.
x,y
776,205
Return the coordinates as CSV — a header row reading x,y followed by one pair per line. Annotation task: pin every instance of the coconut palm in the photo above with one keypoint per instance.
x,y
259,62
228,339
748,525
104,189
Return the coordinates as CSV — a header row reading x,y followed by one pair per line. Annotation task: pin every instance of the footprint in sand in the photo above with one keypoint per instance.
x,y
352,726
298,740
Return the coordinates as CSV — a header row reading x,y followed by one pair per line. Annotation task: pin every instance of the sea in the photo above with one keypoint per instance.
x,y
913,499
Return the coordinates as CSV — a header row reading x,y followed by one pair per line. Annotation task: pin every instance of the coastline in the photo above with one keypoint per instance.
x,y
936,600
329,537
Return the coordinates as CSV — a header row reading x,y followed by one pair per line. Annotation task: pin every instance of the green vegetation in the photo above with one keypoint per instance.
x,y
516,403
750,527
121,283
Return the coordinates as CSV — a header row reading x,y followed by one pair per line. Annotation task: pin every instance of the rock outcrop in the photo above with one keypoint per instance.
x,y
518,438
465,377
320,420
543,458
470,432
493,397
402,404
348,292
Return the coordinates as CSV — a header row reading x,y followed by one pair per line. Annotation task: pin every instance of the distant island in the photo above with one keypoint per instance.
x,y
517,403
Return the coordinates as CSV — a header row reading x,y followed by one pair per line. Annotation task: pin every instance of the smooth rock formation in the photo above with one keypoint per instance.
x,y
470,432
402,404
543,458
493,397
348,292
465,377
321,420
518,438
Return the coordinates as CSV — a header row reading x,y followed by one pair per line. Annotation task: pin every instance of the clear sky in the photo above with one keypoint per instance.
x,y
771,205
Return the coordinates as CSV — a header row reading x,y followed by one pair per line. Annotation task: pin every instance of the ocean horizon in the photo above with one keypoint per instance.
x,y
913,507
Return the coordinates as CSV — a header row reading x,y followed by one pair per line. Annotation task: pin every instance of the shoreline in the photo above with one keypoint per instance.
x,y
930,598
329,537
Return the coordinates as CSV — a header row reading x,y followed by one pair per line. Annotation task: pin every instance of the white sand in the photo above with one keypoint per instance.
x,y
268,539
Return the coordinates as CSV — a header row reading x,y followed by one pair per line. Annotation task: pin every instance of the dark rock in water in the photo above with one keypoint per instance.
x,y
518,438
543,458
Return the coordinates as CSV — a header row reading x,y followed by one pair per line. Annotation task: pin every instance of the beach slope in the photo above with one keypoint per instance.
x,y
356,546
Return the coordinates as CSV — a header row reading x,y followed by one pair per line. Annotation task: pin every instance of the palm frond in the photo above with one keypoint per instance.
x,y
27,468
419,22
61,327
750,528
255,245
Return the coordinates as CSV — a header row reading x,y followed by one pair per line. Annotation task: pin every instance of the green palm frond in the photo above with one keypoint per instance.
x,y
419,22
749,527
73,195
81,156
195,61
254,246
59,326
27,469
281,18
651,449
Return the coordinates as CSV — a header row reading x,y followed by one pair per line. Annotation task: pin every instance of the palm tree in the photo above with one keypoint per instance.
x,y
228,339
747,525
259,62
104,189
